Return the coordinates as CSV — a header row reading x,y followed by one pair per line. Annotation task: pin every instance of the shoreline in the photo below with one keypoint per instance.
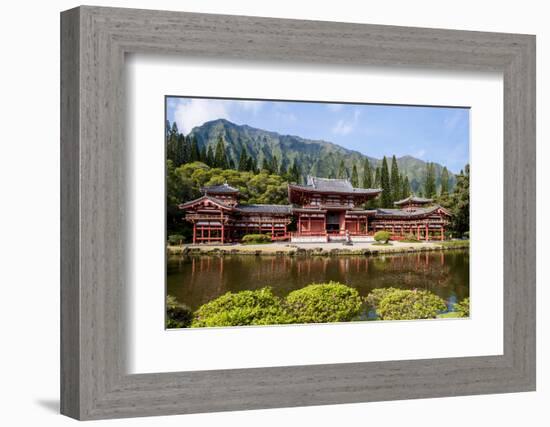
x,y
314,249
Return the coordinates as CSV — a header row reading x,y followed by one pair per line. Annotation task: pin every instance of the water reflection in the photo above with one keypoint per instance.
x,y
195,280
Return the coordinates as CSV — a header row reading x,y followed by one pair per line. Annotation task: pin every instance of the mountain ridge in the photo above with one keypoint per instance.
x,y
316,157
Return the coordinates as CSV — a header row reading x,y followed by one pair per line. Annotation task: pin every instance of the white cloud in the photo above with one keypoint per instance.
x,y
420,154
189,113
253,106
342,127
346,126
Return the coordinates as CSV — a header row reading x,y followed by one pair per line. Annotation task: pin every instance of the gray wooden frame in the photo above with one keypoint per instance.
x,y
94,41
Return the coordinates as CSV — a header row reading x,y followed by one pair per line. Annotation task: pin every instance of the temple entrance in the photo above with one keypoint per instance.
x,y
334,219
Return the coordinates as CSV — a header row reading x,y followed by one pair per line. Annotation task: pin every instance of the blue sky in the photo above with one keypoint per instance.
x,y
437,134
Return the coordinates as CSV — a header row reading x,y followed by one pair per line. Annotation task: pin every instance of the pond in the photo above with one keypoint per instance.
x,y
196,280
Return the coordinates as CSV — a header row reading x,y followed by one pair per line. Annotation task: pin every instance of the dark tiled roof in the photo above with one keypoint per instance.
x,y
329,185
361,211
273,209
207,197
313,210
403,213
413,199
219,189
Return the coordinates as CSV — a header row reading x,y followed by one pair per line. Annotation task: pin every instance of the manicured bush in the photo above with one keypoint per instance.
x,y
324,302
251,239
259,307
462,308
410,304
376,295
382,236
175,239
177,315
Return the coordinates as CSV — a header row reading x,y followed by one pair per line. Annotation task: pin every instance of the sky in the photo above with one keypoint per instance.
x,y
435,134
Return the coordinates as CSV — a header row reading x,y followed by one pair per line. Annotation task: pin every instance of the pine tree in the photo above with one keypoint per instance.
x,y
171,143
202,154
460,202
194,155
295,172
167,128
342,171
444,182
186,149
266,165
374,203
377,183
406,188
220,159
251,166
386,196
180,151
395,182
429,182
354,177
367,175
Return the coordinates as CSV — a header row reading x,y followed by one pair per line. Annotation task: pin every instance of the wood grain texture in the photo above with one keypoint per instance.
x,y
94,270
70,297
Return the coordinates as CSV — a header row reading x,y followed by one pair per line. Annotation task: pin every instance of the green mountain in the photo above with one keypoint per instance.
x,y
315,157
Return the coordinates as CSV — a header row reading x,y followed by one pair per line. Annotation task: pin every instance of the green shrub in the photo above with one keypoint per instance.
x,y
462,308
410,238
177,315
175,239
408,305
250,239
324,302
382,236
376,295
259,307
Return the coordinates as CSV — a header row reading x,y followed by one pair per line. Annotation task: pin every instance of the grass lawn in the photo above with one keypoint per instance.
x,y
453,243
449,315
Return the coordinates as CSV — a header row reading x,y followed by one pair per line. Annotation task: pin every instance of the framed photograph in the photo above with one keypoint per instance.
x,y
294,212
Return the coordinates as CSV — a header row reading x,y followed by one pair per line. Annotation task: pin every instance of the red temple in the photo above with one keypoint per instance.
x,y
324,210
218,217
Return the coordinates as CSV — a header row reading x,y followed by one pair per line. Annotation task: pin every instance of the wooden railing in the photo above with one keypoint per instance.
x,y
191,217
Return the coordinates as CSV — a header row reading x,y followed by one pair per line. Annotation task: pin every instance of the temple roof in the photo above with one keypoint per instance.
x,y
401,213
219,202
259,208
219,189
330,185
253,208
413,200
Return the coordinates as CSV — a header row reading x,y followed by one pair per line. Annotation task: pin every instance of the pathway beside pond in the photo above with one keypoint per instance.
x,y
333,248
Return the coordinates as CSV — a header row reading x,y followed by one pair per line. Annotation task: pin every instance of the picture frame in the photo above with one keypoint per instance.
x,y
94,268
